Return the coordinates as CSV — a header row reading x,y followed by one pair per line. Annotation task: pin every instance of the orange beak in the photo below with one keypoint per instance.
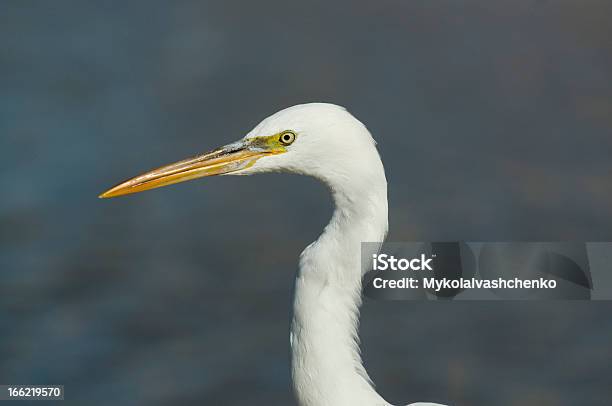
x,y
231,158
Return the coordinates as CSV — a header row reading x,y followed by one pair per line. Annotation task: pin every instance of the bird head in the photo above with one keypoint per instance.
x,y
316,139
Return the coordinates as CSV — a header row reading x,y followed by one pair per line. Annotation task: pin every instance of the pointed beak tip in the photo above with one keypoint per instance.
x,y
108,194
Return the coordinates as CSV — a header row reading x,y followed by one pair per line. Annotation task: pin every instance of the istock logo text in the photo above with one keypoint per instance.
x,y
383,262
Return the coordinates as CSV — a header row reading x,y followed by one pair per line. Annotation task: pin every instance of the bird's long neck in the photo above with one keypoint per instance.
x,y
326,363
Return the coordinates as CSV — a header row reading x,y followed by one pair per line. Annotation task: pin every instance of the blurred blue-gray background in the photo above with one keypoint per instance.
x,y
494,121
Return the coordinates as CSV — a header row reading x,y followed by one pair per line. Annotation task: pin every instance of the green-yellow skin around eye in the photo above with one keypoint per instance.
x,y
270,143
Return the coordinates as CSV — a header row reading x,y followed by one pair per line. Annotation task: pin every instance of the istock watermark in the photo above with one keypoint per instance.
x,y
488,270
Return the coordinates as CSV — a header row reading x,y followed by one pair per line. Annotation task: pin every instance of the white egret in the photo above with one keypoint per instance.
x,y
328,143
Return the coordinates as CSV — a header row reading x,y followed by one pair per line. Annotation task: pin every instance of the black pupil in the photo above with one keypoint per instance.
x,y
287,137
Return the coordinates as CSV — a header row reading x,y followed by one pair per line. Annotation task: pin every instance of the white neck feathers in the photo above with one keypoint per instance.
x,y
326,362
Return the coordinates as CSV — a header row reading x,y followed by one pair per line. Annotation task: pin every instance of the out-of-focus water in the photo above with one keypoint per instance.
x,y
494,121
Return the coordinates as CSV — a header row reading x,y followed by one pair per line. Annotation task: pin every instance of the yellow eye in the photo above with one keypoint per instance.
x,y
287,137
